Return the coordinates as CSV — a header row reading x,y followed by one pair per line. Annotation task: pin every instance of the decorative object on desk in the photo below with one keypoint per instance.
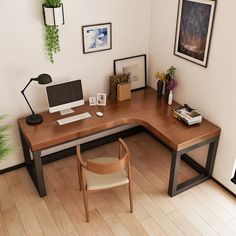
x,y
123,91
53,14
187,114
35,118
193,30
169,76
5,148
97,37
101,99
136,67
117,79
171,86
160,83
92,101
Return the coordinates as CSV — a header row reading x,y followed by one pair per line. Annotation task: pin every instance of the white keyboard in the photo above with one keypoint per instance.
x,y
73,118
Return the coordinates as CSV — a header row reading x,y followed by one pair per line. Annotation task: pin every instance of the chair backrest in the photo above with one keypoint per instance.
x,y
109,167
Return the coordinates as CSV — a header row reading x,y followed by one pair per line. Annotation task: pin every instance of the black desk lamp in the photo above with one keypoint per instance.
x,y
34,118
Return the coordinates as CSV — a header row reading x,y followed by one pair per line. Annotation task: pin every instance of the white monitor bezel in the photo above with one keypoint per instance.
x,y
66,106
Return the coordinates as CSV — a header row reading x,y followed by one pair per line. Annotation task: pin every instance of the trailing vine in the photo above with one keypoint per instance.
x,y
52,33
52,41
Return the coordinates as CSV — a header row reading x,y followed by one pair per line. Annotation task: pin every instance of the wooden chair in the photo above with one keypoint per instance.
x,y
104,173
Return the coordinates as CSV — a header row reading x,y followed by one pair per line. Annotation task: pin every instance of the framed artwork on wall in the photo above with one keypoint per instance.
x,y
193,30
97,37
136,67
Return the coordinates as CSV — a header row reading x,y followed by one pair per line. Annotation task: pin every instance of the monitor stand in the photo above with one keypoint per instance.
x,y
67,111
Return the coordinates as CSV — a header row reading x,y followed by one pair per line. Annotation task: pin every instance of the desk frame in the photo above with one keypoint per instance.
x,y
35,169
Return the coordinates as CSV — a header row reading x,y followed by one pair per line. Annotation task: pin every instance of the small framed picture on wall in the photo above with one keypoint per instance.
x,y
97,37
101,99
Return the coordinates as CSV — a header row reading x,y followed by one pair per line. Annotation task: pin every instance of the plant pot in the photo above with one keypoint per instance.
x,y
160,85
53,16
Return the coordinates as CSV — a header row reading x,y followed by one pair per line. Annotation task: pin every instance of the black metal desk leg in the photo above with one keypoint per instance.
x,y
26,151
211,156
39,177
34,167
175,163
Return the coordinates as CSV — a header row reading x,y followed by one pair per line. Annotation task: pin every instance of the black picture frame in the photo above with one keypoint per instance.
x,y
97,37
195,19
136,66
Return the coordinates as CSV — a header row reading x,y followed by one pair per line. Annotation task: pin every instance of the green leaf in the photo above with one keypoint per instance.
x,y
52,40
5,148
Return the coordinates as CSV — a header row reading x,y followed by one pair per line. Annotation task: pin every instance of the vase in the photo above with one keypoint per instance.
x,y
160,85
170,99
167,92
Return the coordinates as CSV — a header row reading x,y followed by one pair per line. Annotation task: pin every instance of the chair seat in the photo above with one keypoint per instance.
x,y
104,181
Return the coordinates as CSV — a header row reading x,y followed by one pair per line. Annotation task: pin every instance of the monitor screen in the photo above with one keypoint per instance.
x,y
64,96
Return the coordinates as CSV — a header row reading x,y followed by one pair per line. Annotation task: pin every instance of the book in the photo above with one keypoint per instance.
x,y
187,114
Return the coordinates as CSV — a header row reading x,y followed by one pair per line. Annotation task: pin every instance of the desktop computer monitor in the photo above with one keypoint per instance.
x,y
65,96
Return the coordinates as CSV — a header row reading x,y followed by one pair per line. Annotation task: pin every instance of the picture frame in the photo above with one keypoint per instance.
x,y
136,66
97,37
92,101
101,99
194,26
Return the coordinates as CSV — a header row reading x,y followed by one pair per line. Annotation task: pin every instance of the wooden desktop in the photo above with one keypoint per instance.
x,y
143,109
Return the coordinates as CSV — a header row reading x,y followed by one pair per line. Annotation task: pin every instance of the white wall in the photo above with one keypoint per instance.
x,y
212,90
23,54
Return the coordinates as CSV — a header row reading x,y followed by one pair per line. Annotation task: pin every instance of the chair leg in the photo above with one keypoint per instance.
x,y
79,174
80,177
85,195
131,196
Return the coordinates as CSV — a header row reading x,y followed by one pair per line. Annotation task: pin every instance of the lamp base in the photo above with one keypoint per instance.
x,y
34,119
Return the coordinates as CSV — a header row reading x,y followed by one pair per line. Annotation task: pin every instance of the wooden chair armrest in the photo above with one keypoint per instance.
x,y
80,159
124,147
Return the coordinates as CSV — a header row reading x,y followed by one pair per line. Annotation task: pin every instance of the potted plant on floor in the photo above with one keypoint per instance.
x,y
53,13
5,148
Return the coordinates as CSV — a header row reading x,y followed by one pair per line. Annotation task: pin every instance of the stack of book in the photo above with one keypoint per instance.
x,y
187,114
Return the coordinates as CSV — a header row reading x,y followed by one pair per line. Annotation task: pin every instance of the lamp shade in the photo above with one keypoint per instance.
x,y
44,79
35,118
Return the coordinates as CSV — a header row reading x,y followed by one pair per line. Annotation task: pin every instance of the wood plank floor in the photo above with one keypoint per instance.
x,y
204,210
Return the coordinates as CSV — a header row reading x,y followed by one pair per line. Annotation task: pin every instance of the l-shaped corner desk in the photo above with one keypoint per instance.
x,y
144,109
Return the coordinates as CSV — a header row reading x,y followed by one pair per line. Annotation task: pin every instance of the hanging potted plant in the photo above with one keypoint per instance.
x,y
5,148
53,13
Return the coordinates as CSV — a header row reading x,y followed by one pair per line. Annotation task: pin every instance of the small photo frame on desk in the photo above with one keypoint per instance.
x,y
101,99
92,101
136,67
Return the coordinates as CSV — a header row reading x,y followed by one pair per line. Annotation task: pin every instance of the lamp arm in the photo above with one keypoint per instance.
x,y
25,96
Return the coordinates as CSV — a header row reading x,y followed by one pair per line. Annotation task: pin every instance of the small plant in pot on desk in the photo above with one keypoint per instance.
x,y
169,76
171,86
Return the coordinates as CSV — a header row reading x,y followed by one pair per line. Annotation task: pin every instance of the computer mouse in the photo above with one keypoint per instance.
x,y
99,113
